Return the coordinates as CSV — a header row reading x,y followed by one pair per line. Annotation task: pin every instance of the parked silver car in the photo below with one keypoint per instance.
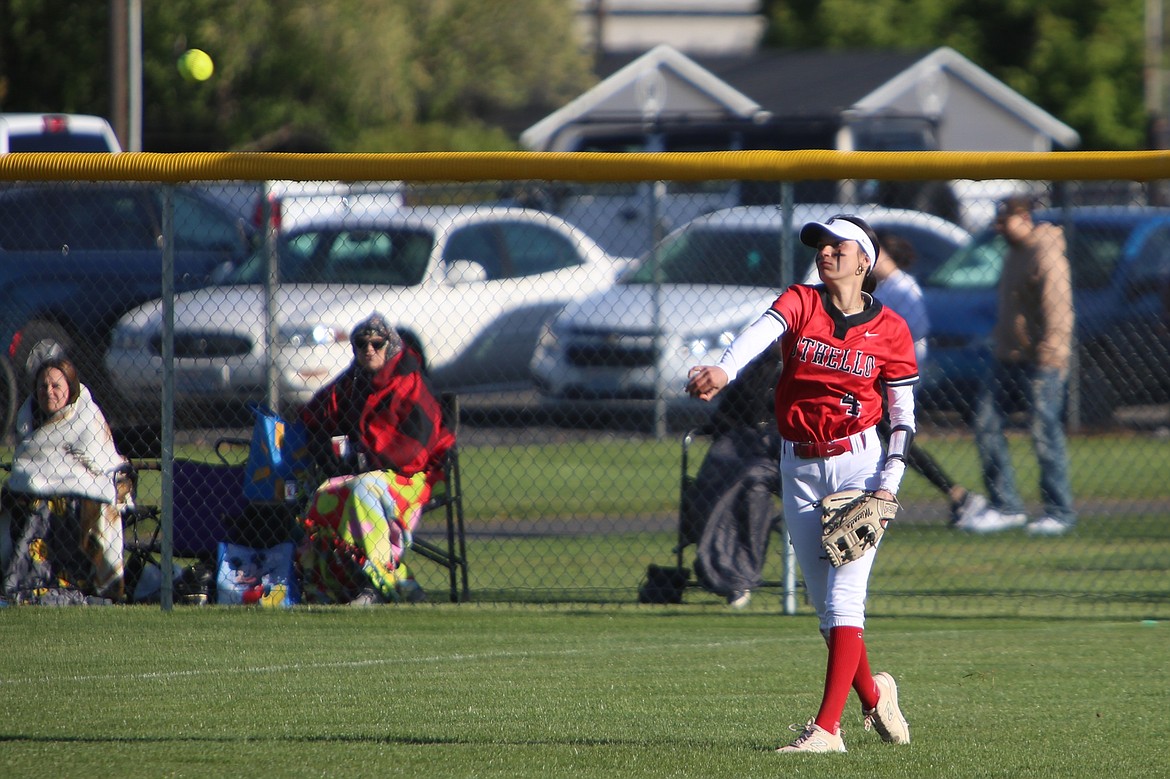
x,y
718,274
469,286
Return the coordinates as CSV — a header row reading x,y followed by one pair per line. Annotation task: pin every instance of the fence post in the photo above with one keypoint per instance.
x,y
657,191
166,593
787,277
271,281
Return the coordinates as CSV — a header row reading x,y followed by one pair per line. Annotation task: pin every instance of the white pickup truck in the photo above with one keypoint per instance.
x,y
56,132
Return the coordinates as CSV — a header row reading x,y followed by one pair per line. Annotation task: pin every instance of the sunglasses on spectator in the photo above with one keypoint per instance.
x,y
378,343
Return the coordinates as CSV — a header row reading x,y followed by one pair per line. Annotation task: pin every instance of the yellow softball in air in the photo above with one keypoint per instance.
x,y
196,65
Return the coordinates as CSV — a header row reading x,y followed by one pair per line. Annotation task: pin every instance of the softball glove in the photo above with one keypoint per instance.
x,y
853,524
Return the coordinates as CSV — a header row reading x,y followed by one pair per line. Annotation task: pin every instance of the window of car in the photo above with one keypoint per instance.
x,y
392,256
717,256
201,227
117,220
47,220
535,249
1093,254
23,132
1094,251
111,219
74,142
977,265
736,256
1152,269
358,256
481,244
930,248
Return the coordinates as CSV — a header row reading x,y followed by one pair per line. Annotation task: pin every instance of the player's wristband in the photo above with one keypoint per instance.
x,y
891,477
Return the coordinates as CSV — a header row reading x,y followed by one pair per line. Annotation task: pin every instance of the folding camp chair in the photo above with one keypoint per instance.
x,y
449,496
208,506
666,584
451,552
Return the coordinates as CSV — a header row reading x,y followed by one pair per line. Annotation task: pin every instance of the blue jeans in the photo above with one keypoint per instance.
x,y
1042,392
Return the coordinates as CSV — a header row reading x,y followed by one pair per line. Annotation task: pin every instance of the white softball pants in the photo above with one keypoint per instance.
x,y
837,594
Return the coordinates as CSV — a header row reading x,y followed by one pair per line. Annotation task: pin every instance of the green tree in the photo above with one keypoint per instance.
x,y
367,75
1080,60
345,75
405,75
50,58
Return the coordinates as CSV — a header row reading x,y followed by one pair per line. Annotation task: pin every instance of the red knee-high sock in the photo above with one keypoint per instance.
x,y
846,648
863,681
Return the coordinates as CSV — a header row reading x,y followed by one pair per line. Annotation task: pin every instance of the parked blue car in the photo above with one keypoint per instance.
x,y
1120,260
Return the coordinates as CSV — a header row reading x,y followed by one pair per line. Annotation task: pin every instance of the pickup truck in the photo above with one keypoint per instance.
x,y
56,132
74,257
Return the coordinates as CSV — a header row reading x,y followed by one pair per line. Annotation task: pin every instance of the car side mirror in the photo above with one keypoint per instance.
x,y
465,272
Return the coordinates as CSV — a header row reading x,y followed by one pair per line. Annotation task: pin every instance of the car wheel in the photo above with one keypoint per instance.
x,y
9,396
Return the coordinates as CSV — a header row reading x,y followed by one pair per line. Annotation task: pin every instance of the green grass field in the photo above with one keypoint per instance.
x,y
541,691
1016,657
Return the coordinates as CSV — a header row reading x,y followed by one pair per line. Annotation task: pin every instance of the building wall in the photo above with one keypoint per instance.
x,y
691,26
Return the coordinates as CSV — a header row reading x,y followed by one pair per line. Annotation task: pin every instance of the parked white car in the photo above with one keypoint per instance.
x,y
718,274
469,286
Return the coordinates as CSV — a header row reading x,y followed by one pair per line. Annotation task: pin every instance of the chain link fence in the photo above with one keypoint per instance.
x,y
564,308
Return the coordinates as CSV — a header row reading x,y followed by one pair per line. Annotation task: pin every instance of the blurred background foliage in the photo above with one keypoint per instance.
x,y
304,75
416,75
1080,60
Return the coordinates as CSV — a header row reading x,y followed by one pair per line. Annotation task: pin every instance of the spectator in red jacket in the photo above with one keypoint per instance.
x,y
377,431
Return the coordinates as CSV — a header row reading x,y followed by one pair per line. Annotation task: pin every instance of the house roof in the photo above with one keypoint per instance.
x,y
952,64
663,80
804,84
800,83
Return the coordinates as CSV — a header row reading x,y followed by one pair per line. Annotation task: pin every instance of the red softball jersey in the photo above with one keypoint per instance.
x,y
835,367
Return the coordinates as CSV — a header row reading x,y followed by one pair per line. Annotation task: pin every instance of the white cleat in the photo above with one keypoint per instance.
x,y
814,738
886,718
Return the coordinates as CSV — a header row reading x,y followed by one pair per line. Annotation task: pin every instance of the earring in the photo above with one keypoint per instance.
x,y
860,270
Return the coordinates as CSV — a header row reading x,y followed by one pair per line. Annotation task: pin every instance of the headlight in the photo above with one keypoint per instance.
x,y
310,335
130,340
699,346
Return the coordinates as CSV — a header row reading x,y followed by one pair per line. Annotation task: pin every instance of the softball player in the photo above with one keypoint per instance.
x,y
842,350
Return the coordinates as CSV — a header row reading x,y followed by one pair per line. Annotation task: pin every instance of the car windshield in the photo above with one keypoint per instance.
x,y
974,266
1093,255
58,142
725,257
391,256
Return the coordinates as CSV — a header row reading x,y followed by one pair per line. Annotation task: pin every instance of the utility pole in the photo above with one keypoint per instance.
x,y
119,72
126,72
1157,123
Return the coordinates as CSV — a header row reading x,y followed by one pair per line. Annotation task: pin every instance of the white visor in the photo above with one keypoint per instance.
x,y
815,233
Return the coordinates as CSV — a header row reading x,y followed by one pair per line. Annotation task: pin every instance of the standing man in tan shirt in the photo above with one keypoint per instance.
x,y
1031,345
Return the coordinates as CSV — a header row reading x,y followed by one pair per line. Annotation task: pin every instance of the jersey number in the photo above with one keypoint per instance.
x,y
852,405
